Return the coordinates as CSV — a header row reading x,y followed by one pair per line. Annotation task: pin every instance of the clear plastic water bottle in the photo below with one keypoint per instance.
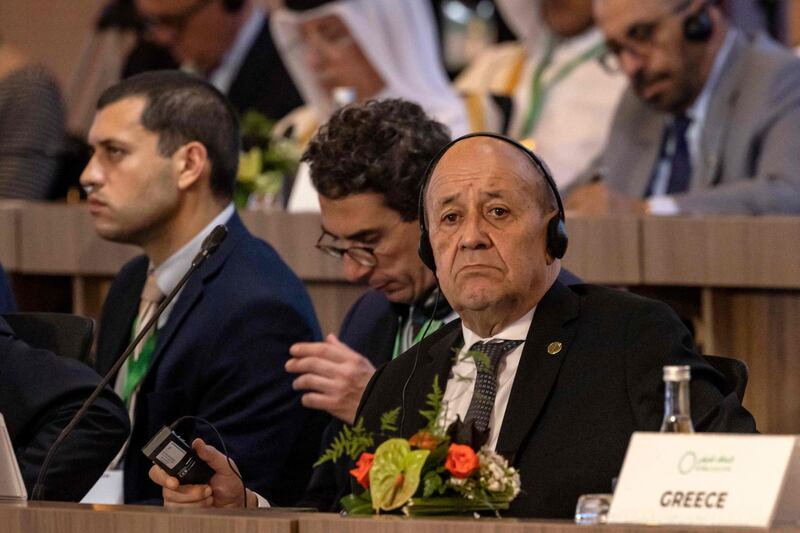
x,y
677,410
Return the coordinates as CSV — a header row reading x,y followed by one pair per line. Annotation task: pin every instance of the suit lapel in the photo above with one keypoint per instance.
x,y
716,124
538,369
120,321
649,135
434,360
193,290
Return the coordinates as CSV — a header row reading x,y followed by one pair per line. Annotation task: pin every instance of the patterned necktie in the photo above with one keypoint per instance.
x,y
681,168
480,407
140,361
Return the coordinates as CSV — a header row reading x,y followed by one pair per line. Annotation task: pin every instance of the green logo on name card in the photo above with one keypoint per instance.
x,y
691,462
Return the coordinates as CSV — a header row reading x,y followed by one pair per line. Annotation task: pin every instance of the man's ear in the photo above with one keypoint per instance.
x,y
192,164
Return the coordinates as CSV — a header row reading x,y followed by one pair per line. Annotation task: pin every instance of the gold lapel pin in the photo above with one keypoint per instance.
x,y
554,347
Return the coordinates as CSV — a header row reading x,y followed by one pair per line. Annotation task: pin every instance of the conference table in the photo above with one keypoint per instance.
x,y
51,517
735,279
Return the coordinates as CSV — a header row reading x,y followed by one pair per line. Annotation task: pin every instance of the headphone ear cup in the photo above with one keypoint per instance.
x,y
698,27
557,238
425,250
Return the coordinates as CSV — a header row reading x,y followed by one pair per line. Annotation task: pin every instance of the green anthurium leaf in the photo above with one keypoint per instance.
x,y
395,474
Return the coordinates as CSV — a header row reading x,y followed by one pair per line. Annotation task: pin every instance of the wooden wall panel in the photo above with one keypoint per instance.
x,y
761,328
60,239
749,252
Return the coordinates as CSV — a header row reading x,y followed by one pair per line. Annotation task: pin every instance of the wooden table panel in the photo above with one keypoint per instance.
x,y
604,250
9,244
752,252
318,523
48,517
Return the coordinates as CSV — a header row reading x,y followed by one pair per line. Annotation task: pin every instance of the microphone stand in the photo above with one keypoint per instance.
x,y
209,246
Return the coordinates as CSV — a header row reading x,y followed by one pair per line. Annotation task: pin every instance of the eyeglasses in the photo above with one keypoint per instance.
x,y
325,32
641,37
363,255
175,21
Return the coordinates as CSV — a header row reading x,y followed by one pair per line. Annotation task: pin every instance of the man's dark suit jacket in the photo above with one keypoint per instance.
x,y
39,394
570,415
262,83
369,328
220,356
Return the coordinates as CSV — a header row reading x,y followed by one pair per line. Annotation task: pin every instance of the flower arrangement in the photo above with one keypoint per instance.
x,y
427,474
267,165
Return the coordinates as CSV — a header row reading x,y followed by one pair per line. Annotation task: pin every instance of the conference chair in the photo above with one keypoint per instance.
x,y
61,333
735,372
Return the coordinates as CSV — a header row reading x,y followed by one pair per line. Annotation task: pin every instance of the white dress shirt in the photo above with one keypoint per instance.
x,y
461,383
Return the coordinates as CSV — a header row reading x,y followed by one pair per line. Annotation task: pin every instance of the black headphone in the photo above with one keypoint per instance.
x,y
557,239
698,27
232,6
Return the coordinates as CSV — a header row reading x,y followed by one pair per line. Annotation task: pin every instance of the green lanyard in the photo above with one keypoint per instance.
x,y
137,368
427,328
539,90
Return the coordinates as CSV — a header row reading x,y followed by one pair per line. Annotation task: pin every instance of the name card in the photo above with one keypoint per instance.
x,y
709,479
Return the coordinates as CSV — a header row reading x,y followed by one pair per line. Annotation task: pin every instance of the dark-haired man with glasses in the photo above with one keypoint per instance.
x,y
709,122
228,42
367,164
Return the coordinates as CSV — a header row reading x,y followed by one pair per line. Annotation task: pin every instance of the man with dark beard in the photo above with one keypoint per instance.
x,y
709,122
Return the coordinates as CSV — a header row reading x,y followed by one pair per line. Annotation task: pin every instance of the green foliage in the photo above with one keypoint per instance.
x,y
351,441
265,161
434,402
389,420
433,484
357,503
481,359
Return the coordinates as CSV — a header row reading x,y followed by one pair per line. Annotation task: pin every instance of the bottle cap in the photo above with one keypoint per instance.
x,y
677,373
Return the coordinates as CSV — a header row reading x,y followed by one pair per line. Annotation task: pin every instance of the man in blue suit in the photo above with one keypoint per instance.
x,y
166,149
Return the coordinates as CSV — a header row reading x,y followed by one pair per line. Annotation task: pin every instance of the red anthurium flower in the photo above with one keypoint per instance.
x,y
361,472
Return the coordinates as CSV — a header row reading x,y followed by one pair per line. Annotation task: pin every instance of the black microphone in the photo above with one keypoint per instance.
x,y
209,246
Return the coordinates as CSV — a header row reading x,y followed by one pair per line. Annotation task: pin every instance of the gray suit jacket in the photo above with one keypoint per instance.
x,y
749,160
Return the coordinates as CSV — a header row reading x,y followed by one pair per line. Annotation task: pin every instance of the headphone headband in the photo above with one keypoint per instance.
x,y
540,165
556,231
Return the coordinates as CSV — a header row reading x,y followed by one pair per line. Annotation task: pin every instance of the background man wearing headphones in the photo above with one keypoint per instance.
x,y
709,123
228,42
578,369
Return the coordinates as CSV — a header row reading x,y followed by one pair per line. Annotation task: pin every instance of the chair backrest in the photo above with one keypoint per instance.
x,y
61,333
734,370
